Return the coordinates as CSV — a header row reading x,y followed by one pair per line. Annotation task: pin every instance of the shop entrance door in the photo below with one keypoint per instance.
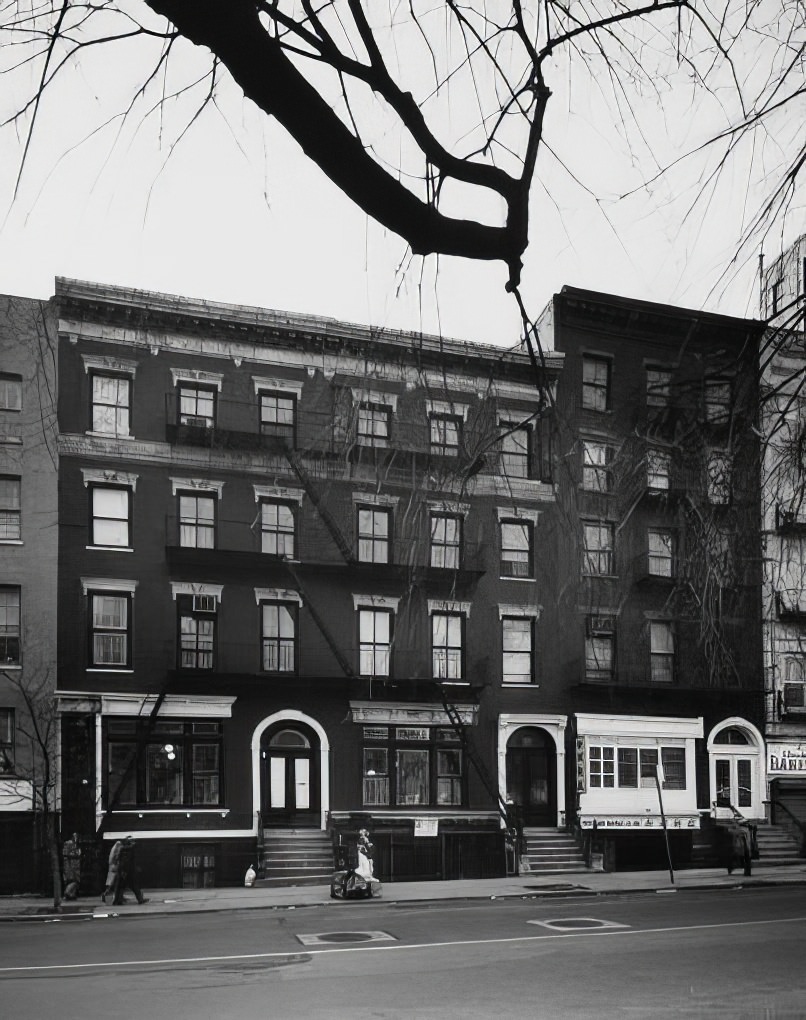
x,y
290,780
531,767
734,782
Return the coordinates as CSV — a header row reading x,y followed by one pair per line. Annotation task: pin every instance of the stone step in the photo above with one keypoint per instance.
x,y
278,882
543,868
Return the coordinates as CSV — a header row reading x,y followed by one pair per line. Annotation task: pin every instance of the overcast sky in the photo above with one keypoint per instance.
x,y
236,213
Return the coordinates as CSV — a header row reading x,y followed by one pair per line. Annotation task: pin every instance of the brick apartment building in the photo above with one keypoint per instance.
x,y
302,586
659,568
28,548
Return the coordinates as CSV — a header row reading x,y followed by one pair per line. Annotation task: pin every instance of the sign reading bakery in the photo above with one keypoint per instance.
x,y
786,759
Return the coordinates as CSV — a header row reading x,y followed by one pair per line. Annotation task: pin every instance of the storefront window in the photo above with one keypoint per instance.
x,y
621,767
409,766
164,763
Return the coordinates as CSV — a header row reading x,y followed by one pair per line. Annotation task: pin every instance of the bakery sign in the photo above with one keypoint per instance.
x,y
786,759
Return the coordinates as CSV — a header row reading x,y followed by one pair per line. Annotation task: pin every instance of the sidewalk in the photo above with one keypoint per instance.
x,y
554,886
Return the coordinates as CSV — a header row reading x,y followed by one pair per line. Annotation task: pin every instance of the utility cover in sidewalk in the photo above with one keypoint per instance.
x,y
327,938
578,924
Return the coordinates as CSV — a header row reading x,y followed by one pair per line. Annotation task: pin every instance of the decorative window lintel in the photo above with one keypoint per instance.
x,y
108,363
277,385
531,612
196,375
277,595
448,606
375,602
108,476
197,485
196,588
107,584
277,492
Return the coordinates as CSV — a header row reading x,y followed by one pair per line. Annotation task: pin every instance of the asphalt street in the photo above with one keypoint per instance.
x,y
732,952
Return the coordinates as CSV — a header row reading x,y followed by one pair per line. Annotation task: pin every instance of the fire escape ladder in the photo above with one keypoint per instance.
x,y
469,747
320,623
311,489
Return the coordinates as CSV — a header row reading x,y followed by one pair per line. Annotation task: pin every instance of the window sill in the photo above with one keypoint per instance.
x,y
107,669
10,440
109,435
11,541
10,665
510,577
110,548
529,685
602,577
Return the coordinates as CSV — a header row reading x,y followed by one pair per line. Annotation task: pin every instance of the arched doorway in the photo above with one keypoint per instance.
x,y
531,768
289,756
735,759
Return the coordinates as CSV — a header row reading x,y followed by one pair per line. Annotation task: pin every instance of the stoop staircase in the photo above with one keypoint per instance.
x,y
777,845
296,857
549,851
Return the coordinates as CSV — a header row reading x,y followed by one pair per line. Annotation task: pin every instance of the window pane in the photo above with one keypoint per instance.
x,y
164,774
121,774
744,779
673,760
10,393
206,773
9,626
110,512
628,766
376,776
660,553
412,777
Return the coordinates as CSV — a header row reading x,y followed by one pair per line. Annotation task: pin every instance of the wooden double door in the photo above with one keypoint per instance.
x,y
290,760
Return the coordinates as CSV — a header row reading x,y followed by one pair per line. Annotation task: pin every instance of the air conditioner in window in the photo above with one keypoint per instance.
x,y
204,603
601,625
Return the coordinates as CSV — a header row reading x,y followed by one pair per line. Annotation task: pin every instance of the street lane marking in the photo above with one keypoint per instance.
x,y
398,947
578,924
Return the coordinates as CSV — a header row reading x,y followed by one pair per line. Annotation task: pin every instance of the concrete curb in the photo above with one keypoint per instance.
x,y
526,894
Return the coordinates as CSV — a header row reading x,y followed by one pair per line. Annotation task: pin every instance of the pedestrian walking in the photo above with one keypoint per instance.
x,y
127,873
71,867
112,873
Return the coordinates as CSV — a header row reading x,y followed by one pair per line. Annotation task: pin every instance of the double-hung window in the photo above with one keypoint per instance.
x,y
197,405
111,404
279,637
658,387
517,537
597,461
445,434
197,631
661,651
110,629
447,645
278,529
374,424
516,448
718,479
658,470
518,647
661,552
197,519
600,647
374,534
278,415
10,392
598,548
10,523
7,730
446,541
111,516
10,631
595,383
374,642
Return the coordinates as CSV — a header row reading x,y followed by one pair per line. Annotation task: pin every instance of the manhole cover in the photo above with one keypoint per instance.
x,y
577,924
331,937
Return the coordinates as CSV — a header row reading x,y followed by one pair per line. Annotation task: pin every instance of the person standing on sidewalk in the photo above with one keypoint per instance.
x,y
127,873
71,858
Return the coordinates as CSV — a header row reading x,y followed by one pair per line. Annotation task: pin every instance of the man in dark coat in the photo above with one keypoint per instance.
x,y
739,849
127,873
